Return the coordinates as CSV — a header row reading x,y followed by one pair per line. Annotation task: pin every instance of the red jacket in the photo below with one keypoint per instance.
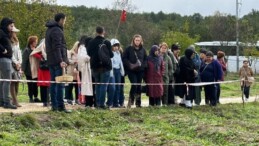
x,y
43,75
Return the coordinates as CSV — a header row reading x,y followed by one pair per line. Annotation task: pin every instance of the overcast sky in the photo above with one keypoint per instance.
x,y
183,7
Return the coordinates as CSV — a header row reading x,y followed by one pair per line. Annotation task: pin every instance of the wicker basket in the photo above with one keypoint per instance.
x,y
64,77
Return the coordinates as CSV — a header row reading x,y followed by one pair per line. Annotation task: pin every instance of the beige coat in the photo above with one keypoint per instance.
x,y
84,67
72,58
34,61
244,73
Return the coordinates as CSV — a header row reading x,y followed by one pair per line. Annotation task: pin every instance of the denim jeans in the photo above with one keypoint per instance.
x,y
100,89
56,89
117,94
111,91
5,73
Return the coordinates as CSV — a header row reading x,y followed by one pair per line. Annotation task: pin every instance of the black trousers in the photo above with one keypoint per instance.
x,y
69,91
246,90
210,94
90,100
32,88
44,94
171,95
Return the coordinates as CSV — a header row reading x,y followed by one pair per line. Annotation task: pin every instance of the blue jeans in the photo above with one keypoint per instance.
x,y
111,91
100,89
5,73
117,94
56,89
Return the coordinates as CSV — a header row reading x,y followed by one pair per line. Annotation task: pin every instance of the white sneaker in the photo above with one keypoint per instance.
x,y
246,99
188,103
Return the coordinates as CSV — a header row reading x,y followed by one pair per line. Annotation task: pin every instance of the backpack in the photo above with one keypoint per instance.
x,y
104,55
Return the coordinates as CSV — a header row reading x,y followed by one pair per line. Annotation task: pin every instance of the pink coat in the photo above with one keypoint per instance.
x,y
156,77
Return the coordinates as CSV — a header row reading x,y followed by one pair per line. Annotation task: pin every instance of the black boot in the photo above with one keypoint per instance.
x,y
9,106
138,100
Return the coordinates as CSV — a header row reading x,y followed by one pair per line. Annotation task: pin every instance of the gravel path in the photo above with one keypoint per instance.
x,y
38,107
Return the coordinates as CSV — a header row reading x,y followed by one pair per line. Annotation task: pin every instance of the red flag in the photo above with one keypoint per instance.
x,y
123,15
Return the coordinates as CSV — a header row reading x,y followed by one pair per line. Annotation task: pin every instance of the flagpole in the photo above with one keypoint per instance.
x,y
117,28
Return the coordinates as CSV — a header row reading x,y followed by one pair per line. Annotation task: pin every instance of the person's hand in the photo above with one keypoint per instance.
x,y
195,73
63,64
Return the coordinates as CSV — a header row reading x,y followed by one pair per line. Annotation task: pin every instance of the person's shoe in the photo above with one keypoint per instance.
x,y
31,100
64,110
188,104
17,105
36,99
45,104
77,102
10,106
70,102
246,99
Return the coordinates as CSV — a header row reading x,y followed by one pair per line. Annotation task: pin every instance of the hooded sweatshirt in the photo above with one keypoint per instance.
x,y
5,42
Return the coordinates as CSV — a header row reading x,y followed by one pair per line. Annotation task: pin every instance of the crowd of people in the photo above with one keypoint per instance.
x,y
99,67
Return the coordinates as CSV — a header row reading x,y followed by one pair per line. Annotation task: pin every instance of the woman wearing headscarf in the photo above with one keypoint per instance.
x,y
6,53
188,73
154,76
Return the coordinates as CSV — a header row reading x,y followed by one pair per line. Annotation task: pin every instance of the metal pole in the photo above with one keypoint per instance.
x,y
237,35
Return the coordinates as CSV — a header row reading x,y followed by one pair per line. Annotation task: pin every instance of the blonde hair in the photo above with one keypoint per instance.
x,y
75,46
14,38
163,44
137,36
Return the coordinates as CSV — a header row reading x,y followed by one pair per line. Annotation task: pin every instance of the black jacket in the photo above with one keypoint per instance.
x,y
92,50
187,67
26,65
5,43
130,57
55,44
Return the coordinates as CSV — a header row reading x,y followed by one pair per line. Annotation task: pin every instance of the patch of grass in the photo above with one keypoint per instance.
x,y
230,124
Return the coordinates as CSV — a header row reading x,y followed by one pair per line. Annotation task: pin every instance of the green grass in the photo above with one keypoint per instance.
x,y
229,124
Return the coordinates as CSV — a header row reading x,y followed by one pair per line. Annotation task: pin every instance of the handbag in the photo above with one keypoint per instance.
x,y
43,64
135,66
251,79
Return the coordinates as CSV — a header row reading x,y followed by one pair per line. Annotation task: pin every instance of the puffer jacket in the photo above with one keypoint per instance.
x,y
55,44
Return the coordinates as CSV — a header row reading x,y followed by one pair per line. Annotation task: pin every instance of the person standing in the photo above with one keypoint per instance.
x,y
154,75
6,53
210,71
244,73
223,64
101,70
16,66
135,55
41,73
56,58
188,74
168,75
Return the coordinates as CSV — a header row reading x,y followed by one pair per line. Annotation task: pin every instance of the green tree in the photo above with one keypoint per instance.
x,y
178,37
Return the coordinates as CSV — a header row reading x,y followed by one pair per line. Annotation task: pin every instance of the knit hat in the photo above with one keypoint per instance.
x,y
175,47
204,51
220,54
